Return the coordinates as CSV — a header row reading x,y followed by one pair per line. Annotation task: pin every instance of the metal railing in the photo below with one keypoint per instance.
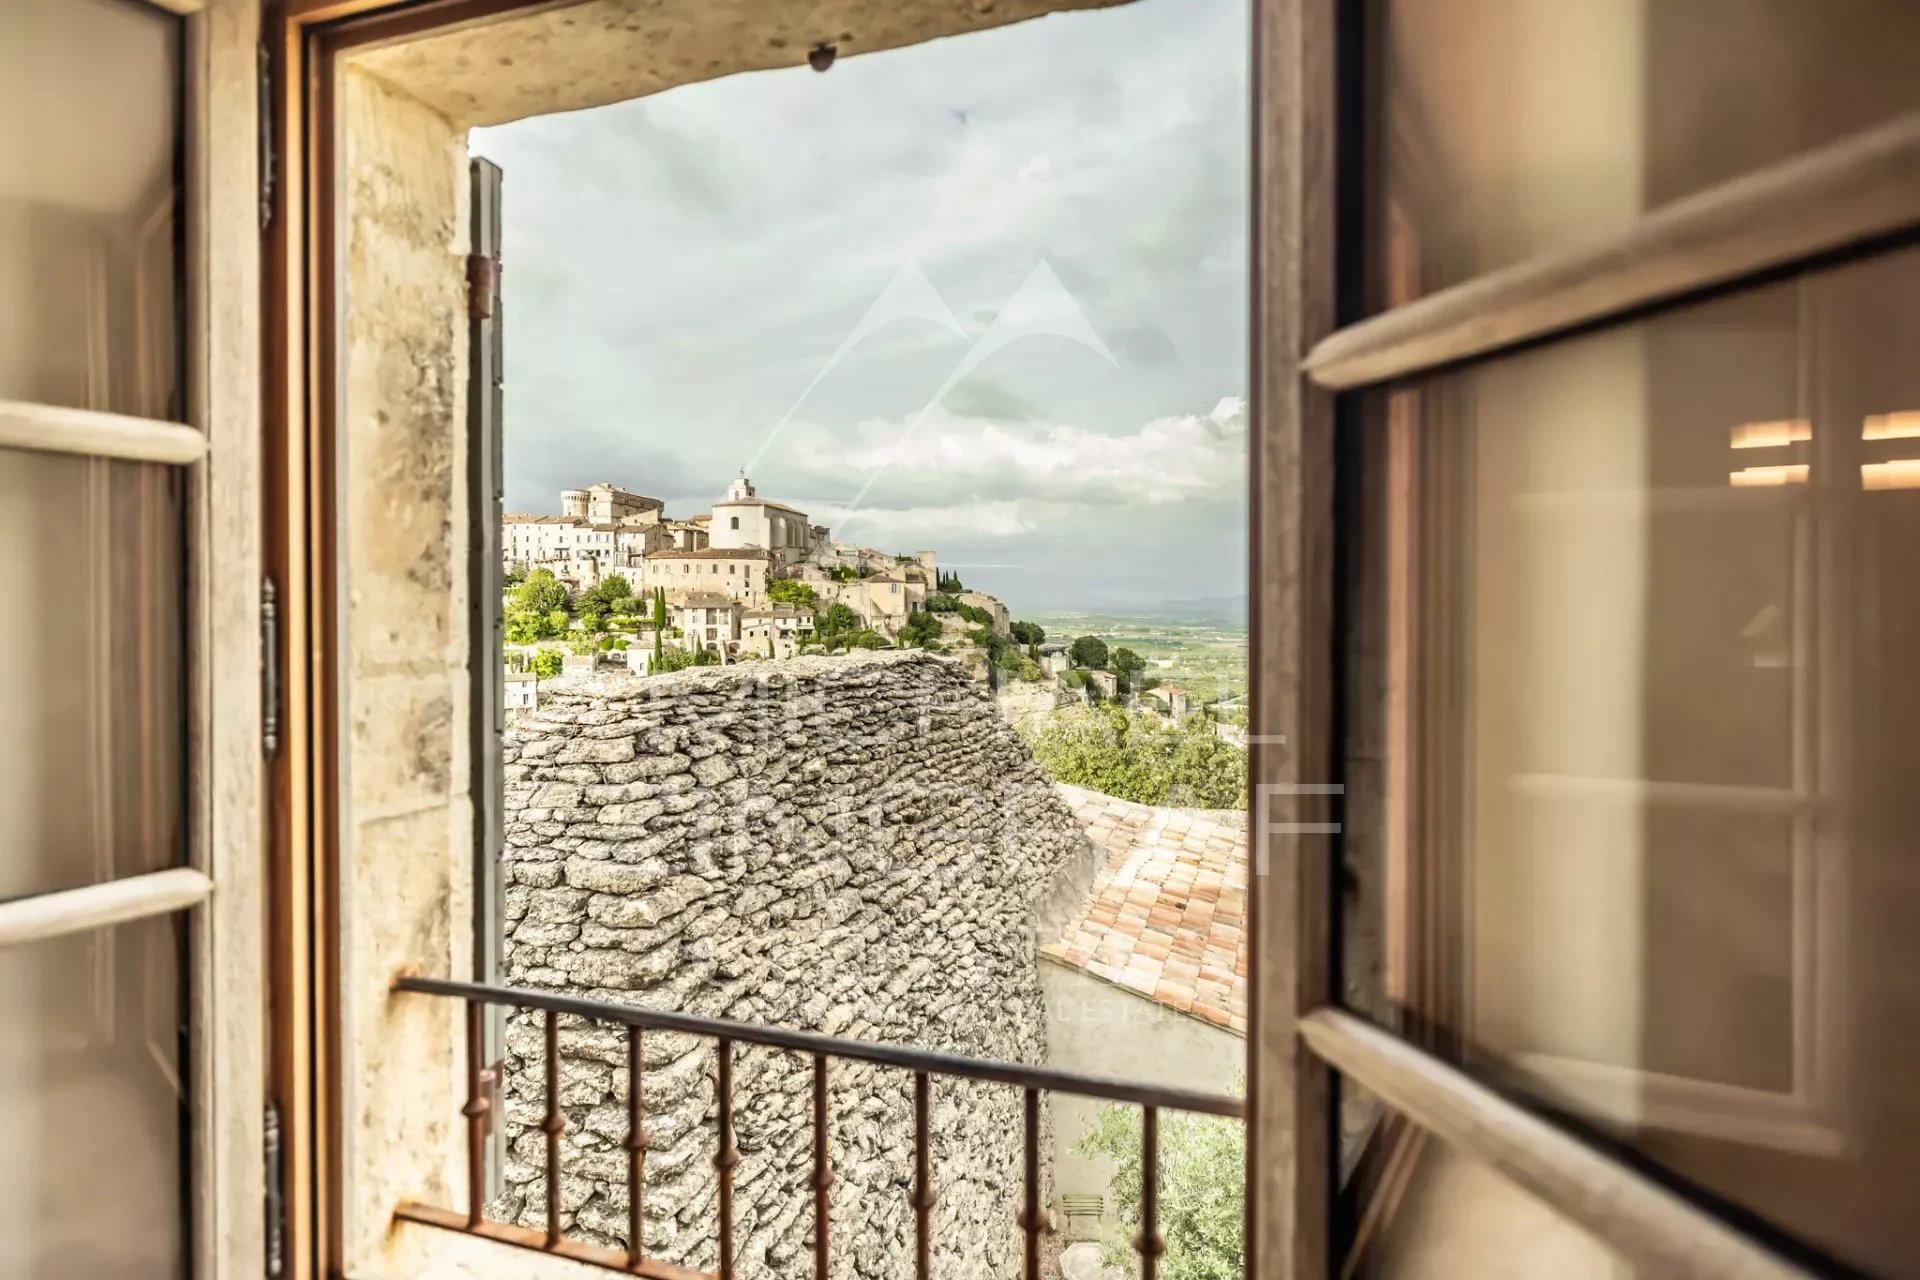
x,y
822,1049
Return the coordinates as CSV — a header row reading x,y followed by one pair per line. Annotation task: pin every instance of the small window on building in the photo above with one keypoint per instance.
x,y
733,522
729,568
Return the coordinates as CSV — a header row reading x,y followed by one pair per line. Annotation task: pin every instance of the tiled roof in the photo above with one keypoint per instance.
x,y
1168,915
712,553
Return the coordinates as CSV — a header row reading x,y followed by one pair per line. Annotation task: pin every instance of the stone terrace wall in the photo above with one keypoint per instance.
x,y
856,845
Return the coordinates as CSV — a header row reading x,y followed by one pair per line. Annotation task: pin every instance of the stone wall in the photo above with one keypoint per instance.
x,y
857,845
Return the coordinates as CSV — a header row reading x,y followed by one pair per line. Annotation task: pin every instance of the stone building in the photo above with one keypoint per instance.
x,y
708,620
858,846
1002,620
607,504
741,573
774,630
744,519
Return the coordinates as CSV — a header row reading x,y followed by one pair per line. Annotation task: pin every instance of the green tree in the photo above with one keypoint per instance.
x,y
942,603
1126,665
523,627
612,594
541,593
659,610
547,663
1089,652
864,638
1202,1189
593,620
1029,633
791,591
514,576
834,623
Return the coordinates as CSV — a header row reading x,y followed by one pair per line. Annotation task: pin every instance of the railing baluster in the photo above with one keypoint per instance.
x,y
727,1156
923,1196
476,1112
1030,1220
555,1124
1150,1243
636,1151
822,1167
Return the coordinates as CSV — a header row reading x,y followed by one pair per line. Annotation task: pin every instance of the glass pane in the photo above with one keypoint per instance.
x,y
89,129
1501,129
92,1114
1633,787
1425,1211
91,731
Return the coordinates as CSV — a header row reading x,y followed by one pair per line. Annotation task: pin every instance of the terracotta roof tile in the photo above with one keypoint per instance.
x,y
1167,910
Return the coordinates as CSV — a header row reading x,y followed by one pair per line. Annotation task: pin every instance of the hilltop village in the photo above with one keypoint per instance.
x,y
614,585
750,579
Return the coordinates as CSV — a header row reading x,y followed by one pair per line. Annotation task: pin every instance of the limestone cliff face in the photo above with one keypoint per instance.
x,y
852,845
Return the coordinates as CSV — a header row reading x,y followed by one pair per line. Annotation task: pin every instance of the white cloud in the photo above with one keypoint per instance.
x,y
1187,458
683,266
914,528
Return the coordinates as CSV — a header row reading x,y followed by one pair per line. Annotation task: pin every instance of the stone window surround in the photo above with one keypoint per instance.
x,y
403,113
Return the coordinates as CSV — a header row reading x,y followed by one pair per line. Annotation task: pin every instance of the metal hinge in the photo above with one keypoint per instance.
x,y
269,157
483,275
269,668
276,1207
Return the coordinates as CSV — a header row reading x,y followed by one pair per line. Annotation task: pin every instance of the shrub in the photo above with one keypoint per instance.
x,y
547,663
1141,757
675,659
1202,1190
921,629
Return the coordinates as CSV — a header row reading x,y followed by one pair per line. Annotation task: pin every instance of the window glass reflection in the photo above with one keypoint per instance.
x,y
1631,738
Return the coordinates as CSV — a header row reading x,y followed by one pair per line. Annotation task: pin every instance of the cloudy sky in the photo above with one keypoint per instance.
x,y
985,295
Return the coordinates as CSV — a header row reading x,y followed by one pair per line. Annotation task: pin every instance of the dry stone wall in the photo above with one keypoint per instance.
x,y
860,846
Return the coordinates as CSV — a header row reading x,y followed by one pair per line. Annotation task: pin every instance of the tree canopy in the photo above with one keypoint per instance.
x,y
792,591
1202,1189
1142,757
541,593
612,594
1029,633
833,624
920,631
1089,652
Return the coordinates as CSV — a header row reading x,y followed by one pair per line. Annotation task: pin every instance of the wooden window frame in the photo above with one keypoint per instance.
x,y
215,447
1852,194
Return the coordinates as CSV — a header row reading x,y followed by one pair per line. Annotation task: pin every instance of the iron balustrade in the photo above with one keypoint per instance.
x,y
923,1064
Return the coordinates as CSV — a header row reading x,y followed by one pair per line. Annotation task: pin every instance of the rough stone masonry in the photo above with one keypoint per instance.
x,y
860,846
